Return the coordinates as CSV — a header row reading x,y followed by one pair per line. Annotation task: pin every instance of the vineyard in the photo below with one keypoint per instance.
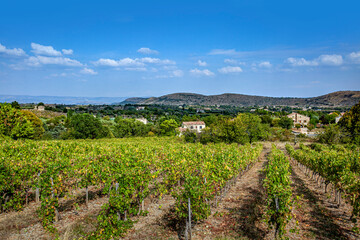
x,y
278,190
127,171
336,165
215,188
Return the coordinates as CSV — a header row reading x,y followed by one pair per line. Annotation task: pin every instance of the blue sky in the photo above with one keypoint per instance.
x,y
151,48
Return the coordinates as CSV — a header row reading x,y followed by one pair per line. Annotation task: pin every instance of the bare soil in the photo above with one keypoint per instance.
x,y
318,214
239,215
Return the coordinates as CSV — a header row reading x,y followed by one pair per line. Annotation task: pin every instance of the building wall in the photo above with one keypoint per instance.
x,y
194,127
299,119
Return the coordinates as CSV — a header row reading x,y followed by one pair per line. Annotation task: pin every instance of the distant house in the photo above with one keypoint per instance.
x,y
143,120
197,126
140,108
299,119
40,108
337,119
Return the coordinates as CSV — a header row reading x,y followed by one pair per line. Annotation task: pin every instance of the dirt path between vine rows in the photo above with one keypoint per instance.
x,y
316,211
238,214
74,223
318,215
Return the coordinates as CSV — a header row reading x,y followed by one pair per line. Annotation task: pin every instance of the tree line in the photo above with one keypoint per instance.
x,y
241,128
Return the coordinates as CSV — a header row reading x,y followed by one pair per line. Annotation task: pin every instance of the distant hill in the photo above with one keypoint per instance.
x,y
134,100
335,99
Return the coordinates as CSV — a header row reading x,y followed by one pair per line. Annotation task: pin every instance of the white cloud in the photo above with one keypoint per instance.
x,y
44,50
58,75
67,51
171,74
39,60
204,72
106,62
156,61
145,50
169,67
201,63
296,62
129,62
265,64
333,60
223,52
230,69
137,69
12,52
325,60
355,57
177,73
233,62
125,62
88,71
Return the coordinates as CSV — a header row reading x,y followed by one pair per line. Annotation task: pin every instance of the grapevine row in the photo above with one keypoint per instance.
x,y
123,169
277,185
339,167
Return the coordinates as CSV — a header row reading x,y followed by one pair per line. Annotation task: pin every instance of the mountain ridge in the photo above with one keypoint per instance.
x,y
334,99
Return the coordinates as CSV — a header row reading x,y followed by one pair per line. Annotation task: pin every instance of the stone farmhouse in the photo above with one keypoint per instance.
x,y
143,120
40,108
299,119
196,126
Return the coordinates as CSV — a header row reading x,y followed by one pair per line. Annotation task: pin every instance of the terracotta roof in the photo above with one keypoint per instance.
x,y
291,114
194,123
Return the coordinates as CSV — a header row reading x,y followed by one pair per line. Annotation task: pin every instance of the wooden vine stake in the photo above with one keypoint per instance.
x,y
57,215
188,222
37,191
87,196
117,189
277,209
141,206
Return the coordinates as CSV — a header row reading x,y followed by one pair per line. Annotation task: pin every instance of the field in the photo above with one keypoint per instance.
x,y
140,188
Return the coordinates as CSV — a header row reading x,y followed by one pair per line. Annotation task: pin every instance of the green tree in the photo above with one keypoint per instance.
x,y
84,125
36,122
351,122
245,128
252,125
333,134
130,127
54,127
167,127
286,122
210,120
14,124
15,104
266,119
328,118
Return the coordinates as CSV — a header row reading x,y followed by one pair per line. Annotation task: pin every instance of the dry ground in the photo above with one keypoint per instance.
x,y
239,215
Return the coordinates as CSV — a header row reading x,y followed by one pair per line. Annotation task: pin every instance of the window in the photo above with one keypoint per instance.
x,y
200,127
191,127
